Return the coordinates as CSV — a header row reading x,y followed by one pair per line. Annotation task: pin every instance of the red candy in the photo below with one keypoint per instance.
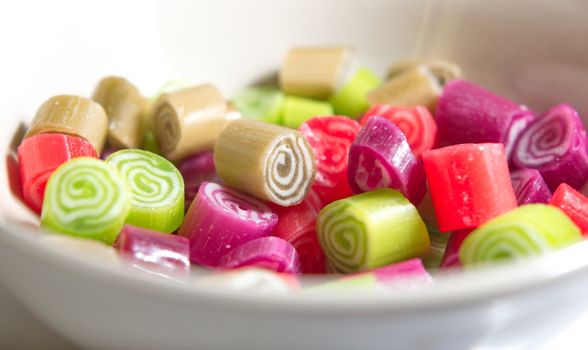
x,y
330,139
40,155
451,254
574,204
416,123
469,183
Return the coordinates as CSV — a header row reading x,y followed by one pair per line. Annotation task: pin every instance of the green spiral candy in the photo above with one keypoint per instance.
x,y
528,230
86,198
157,189
370,230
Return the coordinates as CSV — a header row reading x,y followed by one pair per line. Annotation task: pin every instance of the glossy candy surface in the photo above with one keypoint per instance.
x,y
271,253
574,204
529,187
195,170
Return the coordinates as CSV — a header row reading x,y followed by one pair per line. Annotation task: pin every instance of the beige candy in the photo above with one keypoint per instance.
x,y
444,71
72,115
314,72
189,121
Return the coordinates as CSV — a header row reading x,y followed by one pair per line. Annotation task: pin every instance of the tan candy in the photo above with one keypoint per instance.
x,y
444,71
314,72
125,107
72,115
189,121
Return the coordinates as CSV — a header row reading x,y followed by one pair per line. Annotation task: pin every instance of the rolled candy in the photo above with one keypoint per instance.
x,y
86,198
267,161
573,204
330,138
555,144
188,121
451,255
72,115
40,155
468,113
297,110
529,187
529,230
271,253
315,72
157,189
416,123
444,71
371,230
380,157
469,184
158,251
196,170
221,219
264,103
125,108
351,98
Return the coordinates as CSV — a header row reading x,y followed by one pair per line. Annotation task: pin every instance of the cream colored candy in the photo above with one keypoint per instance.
x,y
444,71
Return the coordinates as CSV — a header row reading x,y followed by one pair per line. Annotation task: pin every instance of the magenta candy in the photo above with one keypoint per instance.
x,y
160,251
380,157
555,145
195,170
270,253
221,219
412,269
468,113
529,187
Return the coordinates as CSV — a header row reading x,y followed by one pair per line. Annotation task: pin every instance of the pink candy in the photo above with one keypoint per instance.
x,y
271,253
195,170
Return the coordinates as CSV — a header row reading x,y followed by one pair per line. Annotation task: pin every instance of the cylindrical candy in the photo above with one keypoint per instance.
x,y
87,198
72,115
264,103
330,138
267,161
297,110
380,157
125,108
555,144
370,230
529,230
529,187
195,170
188,121
271,253
40,155
469,184
351,98
573,204
416,123
444,71
315,72
221,219
157,189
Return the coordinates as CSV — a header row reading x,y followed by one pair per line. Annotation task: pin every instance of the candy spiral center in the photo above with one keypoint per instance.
x,y
167,128
543,141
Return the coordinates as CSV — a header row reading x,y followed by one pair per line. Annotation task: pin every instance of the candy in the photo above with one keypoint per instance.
x,y
380,157
40,155
271,253
438,245
573,204
188,121
267,161
469,184
468,113
444,71
416,123
529,187
370,230
350,99
555,144
314,72
195,170
221,219
529,230
297,110
157,189
260,102
125,107
72,115
451,256
157,251
330,139
87,198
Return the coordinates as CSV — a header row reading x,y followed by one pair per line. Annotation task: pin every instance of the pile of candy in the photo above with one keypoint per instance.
x,y
334,171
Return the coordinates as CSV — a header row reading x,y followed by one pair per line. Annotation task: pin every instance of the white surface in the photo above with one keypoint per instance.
x,y
533,51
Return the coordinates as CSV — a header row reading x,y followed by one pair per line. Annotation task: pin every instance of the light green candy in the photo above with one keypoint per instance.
x,y
260,102
297,110
157,189
351,99
529,230
370,230
150,143
86,198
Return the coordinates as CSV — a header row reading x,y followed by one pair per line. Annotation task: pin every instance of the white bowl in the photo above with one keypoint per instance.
x,y
532,51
